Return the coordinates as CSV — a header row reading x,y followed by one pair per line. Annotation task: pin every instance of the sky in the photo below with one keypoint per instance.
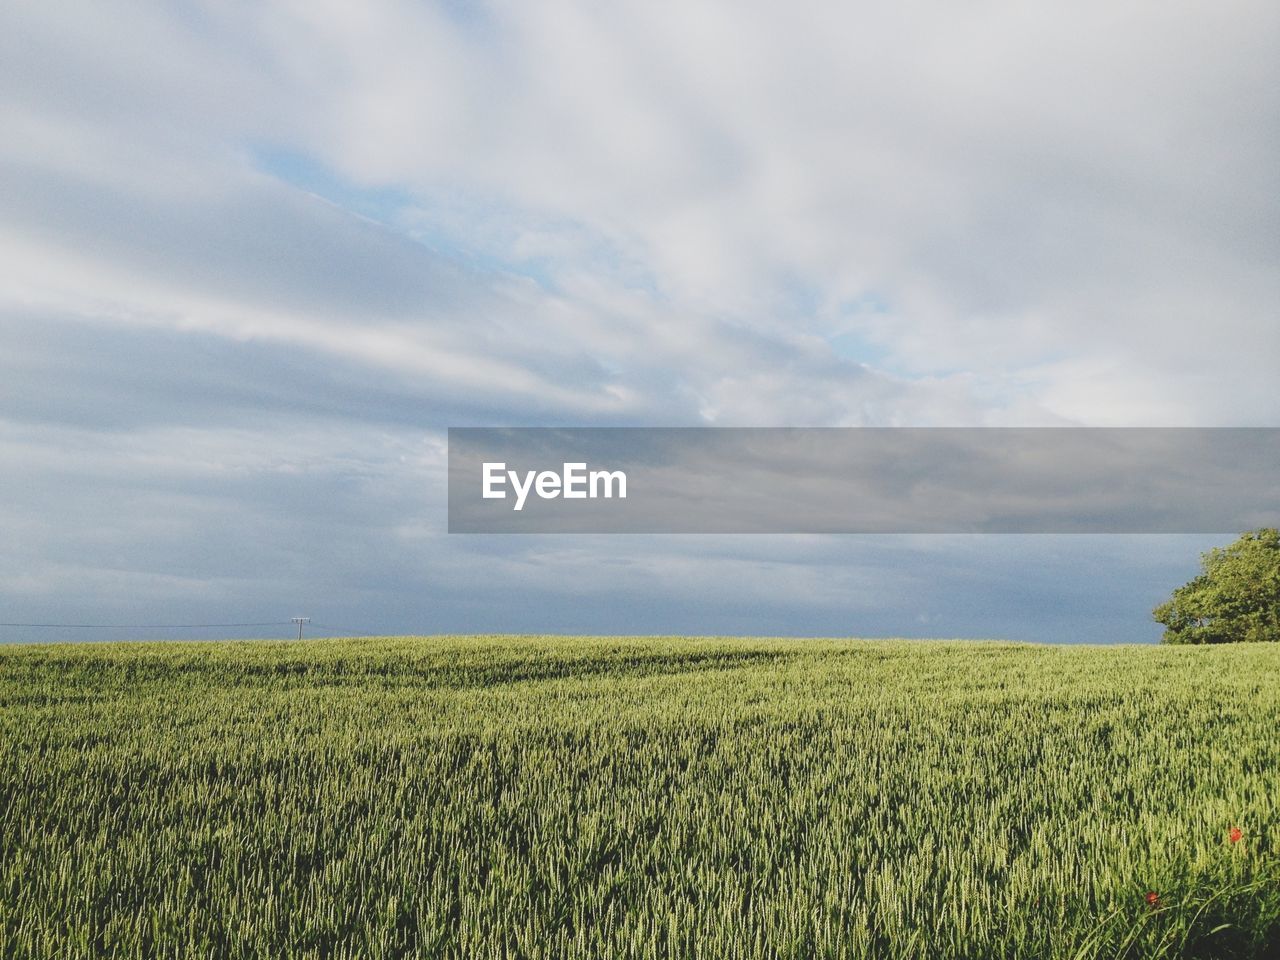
x,y
255,258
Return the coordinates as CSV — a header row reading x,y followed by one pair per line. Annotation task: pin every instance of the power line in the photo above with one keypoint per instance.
x,y
324,628
144,626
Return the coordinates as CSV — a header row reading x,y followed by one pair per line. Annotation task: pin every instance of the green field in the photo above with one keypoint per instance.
x,y
682,798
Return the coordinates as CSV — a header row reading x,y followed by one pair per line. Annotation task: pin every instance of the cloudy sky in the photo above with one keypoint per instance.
x,y
256,257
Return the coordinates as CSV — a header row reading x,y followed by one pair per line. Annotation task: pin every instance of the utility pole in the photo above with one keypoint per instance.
x,y
300,621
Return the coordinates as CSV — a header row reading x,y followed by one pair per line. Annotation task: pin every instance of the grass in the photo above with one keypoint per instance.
x,y
546,797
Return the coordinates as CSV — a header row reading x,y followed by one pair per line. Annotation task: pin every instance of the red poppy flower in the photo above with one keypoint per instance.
x,y
1153,898
1235,835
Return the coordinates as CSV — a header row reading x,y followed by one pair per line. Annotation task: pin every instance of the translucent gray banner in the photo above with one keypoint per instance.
x,y
863,480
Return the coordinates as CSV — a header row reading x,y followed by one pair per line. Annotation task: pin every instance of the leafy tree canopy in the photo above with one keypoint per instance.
x,y
1236,597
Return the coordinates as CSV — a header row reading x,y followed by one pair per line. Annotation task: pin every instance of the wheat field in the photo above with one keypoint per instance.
x,y
544,797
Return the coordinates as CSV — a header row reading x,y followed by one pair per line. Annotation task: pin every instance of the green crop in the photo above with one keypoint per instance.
x,y
500,797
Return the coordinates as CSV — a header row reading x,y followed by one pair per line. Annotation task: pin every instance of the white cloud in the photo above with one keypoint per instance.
x,y
1093,183
737,213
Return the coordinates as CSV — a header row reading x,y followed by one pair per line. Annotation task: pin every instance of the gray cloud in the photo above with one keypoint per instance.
x,y
223,385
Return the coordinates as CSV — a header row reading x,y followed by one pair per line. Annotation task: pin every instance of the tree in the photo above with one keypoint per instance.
x,y
1236,597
